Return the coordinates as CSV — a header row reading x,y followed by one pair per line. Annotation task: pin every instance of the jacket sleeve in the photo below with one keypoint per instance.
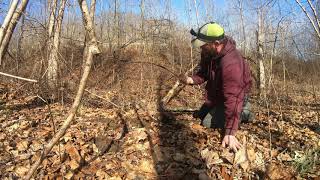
x,y
233,92
202,75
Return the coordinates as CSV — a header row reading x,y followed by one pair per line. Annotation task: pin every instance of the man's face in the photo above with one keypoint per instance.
x,y
209,48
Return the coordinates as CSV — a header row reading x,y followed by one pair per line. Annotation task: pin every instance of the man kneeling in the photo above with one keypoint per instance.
x,y
228,82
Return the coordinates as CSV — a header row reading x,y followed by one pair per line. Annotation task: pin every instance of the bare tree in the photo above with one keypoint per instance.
x,y
92,51
12,24
8,18
260,53
244,39
313,18
19,43
52,9
86,38
55,25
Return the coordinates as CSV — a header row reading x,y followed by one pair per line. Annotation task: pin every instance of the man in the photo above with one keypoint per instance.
x,y
228,82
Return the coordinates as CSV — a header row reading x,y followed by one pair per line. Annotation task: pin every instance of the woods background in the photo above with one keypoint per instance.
x,y
137,49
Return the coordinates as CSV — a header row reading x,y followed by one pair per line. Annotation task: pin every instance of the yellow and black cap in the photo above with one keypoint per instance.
x,y
209,32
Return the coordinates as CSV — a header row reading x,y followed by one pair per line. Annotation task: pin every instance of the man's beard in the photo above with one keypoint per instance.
x,y
211,53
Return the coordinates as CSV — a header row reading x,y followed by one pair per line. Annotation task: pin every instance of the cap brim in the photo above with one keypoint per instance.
x,y
196,43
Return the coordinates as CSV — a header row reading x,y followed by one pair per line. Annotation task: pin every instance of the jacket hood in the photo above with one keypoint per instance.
x,y
229,45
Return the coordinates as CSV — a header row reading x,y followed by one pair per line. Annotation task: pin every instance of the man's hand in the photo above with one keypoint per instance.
x,y
232,142
185,79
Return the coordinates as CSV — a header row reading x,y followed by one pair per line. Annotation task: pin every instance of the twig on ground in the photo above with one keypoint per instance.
x,y
105,99
18,77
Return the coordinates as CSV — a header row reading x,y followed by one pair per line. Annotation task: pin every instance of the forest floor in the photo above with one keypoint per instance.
x,y
139,142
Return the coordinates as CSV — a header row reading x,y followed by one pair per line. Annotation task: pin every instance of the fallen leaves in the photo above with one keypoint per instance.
x,y
23,145
161,149
241,158
284,157
21,170
277,172
211,157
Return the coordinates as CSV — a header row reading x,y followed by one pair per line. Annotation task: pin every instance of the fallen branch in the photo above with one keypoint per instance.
x,y
174,90
17,77
185,110
92,50
106,99
153,64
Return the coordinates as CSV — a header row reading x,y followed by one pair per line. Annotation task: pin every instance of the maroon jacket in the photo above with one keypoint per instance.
x,y
227,82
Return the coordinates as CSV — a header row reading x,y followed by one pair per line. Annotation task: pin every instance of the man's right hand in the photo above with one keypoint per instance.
x,y
185,79
232,142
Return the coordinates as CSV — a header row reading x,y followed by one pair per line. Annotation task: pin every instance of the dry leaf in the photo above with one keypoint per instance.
x,y
245,166
24,125
21,170
140,134
73,164
132,176
67,137
13,127
92,169
73,153
95,148
229,156
146,166
251,154
101,174
274,153
115,178
10,169
277,172
259,160
284,157
240,156
22,145
197,127
69,175
109,165
224,174
211,157
35,146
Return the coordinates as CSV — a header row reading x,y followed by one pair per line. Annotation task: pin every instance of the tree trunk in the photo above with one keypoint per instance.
x,y
51,81
260,55
244,39
92,51
19,43
14,20
53,52
53,9
8,18
86,45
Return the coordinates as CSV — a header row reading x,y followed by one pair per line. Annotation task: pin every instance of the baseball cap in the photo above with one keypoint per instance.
x,y
209,32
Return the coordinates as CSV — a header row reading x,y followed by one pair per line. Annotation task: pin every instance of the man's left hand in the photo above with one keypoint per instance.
x,y
185,79
232,142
